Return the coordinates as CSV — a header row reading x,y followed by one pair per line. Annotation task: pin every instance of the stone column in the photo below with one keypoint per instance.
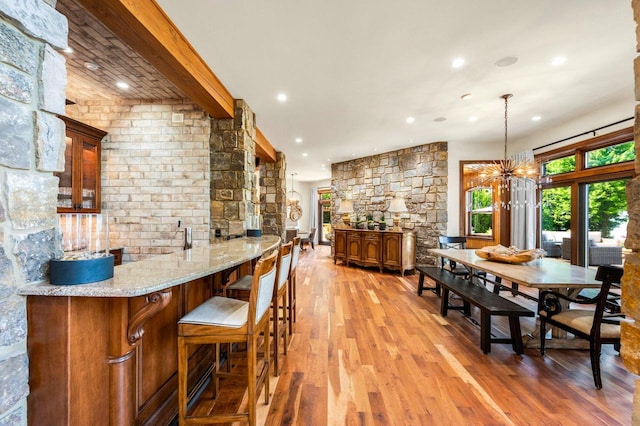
x,y
233,182
630,351
32,91
273,196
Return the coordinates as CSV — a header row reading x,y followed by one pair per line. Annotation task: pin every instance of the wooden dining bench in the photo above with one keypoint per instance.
x,y
487,302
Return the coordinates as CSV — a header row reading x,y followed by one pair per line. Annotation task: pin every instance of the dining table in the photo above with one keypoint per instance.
x,y
542,274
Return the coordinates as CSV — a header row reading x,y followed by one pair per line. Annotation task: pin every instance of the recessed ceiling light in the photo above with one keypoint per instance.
x,y
91,66
304,154
410,140
507,61
440,119
457,63
558,60
536,118
473,119
122,85
298,140
465,96
329,160
410,120
282,97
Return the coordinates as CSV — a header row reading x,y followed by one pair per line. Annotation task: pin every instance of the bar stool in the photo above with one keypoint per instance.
x,y
291,314
225,320
244,284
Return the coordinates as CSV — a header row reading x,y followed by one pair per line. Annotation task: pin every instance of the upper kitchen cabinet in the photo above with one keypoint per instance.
x,y
79,188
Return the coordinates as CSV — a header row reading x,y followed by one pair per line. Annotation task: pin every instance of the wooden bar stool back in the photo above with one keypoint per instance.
x,y
225,320
291,314
280,301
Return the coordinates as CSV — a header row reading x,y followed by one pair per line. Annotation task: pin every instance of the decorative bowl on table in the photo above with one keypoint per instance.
x,y
511,254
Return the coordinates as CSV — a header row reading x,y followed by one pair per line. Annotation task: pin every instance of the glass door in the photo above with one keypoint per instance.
x,y
606,222
324,217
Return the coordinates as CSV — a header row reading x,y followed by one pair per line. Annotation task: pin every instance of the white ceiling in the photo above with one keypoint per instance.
x,y
354,70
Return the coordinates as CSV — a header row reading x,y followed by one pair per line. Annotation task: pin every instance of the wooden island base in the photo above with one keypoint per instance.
x,y
100,359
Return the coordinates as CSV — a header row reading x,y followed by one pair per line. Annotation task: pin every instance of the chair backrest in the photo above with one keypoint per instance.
x,y
264,278
284,265
446,242
296,253
312,234
608,275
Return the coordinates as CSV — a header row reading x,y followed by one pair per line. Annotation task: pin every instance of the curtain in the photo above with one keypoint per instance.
x,y
523,208
313,213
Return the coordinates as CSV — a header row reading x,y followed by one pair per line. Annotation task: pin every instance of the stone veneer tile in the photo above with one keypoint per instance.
x,y
53,82
33,252
7,284
38,19
13,381
50,142
13,320
17,50
31,200
14,418
16,134
15,84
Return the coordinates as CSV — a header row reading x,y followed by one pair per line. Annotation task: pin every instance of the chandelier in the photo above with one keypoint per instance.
x,y
510,175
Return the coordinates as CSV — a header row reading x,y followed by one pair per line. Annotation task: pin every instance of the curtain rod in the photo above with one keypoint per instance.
x,y
584,133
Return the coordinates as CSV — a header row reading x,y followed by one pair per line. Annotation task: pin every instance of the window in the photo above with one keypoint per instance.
x,y
586,208
480,208
560,165
611,154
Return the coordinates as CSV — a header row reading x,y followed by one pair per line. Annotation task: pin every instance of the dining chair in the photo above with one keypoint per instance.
x,y
589,324
309,239
458,243
222,320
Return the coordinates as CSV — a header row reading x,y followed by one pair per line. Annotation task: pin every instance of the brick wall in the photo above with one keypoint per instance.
x,y
155,172
418,174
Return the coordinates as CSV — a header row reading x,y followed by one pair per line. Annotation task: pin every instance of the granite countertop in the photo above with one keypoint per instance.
x,y
165,271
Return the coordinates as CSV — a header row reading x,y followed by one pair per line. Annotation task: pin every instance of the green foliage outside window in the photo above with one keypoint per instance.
x,y
611,154
480,204
556,209
607,206
560,165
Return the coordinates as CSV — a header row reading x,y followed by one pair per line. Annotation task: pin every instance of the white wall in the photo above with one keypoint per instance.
x,y
305,189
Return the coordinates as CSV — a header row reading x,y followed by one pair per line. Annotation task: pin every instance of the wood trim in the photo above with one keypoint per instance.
x,y
264,150
148,30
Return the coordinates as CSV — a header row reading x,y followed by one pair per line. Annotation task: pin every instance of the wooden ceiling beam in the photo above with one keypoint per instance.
x,y
145,27
264,150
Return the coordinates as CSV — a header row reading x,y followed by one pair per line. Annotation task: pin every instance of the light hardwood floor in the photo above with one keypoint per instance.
x,y
367,350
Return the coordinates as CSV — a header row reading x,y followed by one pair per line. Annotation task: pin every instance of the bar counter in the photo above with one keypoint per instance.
x,y
105,353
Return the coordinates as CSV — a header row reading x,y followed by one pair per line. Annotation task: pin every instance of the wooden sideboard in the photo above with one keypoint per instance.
x,y
394,250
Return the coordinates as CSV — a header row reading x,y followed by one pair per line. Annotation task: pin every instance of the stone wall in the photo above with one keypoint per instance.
x,y
155,172
32,86
233,179
630,351
418,174
273,196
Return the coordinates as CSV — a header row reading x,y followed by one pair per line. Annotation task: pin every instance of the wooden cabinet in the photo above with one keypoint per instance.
x,y
79,187
394,250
